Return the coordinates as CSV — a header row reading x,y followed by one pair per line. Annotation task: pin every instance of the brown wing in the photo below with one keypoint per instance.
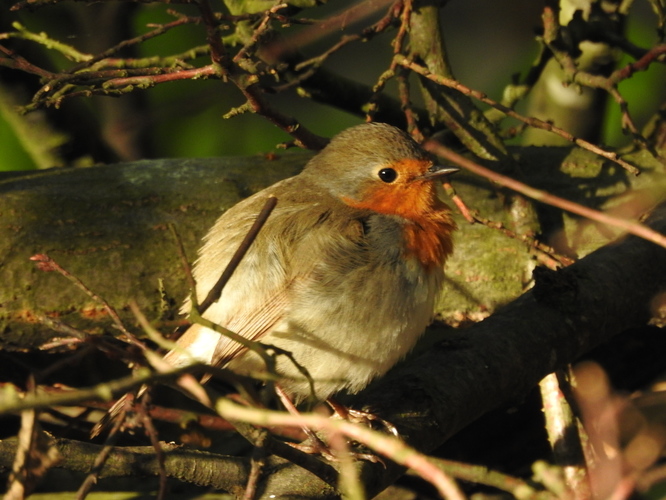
x,y
256,296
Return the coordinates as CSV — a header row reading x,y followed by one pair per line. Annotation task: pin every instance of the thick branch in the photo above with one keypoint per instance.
x,y
501,359
438,393
108,227
190,465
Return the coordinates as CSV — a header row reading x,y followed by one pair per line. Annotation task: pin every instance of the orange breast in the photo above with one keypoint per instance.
x,y
429,240
427,233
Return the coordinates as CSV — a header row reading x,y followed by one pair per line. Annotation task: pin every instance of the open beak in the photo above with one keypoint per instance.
x,y
438,171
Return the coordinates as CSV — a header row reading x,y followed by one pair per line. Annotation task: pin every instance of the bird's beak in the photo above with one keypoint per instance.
x,y
438,171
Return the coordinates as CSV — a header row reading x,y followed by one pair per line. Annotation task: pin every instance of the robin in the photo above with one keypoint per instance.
x,y
343,275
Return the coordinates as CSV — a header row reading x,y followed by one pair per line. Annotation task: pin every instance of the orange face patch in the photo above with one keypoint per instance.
x,y
427,236
408,196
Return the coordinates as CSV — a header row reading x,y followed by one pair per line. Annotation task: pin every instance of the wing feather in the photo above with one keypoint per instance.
x,y
257,296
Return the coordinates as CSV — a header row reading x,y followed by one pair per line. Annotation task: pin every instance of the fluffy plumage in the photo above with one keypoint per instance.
x,y
344,274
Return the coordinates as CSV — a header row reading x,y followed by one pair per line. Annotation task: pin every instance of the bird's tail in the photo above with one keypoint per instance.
x,y
118,410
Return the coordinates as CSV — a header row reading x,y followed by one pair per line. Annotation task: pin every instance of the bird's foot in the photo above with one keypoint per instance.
x,y
361,417
316,446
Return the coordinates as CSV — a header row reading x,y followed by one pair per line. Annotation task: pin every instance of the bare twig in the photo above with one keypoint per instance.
x,y
364,35
60,327
102,457
215,292
349,481
553,40
183,257
391,447
258,32
266,352
257,466
256,103
47,264
655,54
35,454
546,254
533,122
563,435
334,23
403,9
12,403
218,53
151,432
14,61
42,38
479,474
630,226
159,30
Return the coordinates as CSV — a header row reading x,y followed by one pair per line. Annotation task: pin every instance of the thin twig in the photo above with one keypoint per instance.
x,y
159,30
407,108
256,103
47,264
405,14
630,226
563,436
257,465
14,61
533,122
13,403
102,457
365,35
554,260
66,362
403,10
183,257
197,310
349,481
391,447
34,4
258,32
261,349
356,12
317,61
218,53
165,75
60,327
151,432
215,292
42,38
479,474
557,47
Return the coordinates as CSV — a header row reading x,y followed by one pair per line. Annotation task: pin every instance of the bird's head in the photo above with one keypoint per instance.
x,y
378,167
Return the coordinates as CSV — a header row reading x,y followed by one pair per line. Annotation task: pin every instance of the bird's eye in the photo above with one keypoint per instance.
x,y
388,175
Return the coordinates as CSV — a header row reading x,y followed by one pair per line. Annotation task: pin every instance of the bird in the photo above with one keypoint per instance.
x,y
344,275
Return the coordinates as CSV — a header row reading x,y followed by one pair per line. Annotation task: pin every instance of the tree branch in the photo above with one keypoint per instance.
x,y
456,381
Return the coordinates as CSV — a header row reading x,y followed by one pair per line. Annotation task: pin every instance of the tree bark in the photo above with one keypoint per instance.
x,y
456,380
107,226
501,359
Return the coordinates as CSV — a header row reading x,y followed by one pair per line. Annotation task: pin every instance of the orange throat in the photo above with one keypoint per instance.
x,y
429,239
428,228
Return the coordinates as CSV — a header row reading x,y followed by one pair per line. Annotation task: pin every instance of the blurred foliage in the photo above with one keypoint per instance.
x,y
12,154
486,43
644,90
